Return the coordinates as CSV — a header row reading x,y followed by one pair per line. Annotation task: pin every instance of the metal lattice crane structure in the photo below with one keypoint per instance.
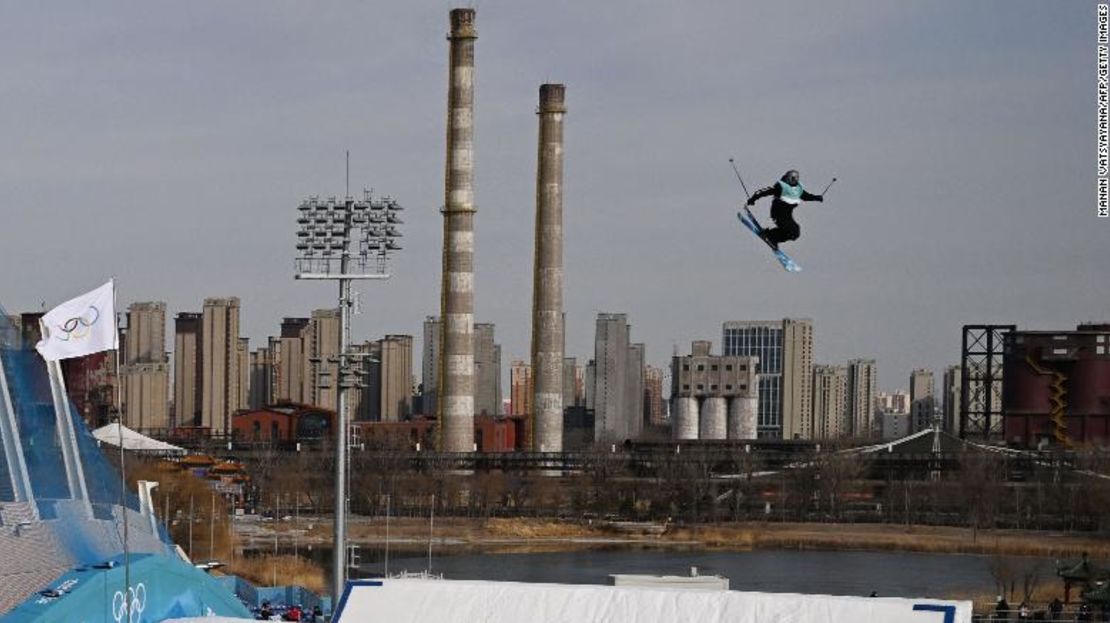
x,y
981,380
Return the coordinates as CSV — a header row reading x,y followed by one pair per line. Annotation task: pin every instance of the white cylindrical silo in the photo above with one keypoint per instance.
x,y
714,418
685,421
742,418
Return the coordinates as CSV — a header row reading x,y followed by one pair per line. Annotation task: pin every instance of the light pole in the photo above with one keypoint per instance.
x,y
326,231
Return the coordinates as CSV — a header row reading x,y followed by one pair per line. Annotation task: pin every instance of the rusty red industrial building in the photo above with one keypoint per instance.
x,y
292,423
1057,386
287,423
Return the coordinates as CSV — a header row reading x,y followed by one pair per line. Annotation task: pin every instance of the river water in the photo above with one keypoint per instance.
x,y
890,574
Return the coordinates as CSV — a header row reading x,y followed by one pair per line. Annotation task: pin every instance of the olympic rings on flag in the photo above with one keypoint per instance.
x,y
79,327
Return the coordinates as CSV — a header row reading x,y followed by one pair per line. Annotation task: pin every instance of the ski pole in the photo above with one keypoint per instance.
x,y
828,187
737,172
744,186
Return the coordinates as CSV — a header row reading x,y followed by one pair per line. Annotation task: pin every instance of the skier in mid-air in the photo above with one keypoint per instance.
x,y
788,193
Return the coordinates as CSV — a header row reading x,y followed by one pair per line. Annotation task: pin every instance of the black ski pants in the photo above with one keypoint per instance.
x,y
786,228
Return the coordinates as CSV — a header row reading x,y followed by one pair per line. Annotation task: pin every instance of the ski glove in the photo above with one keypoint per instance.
x,y
751,201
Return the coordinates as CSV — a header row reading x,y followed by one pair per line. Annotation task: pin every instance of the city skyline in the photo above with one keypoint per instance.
x,y
906,250
483,329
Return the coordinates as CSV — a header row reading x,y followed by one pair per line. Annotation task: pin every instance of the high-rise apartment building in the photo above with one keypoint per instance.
x,y
951,400
830,405
220,358
386,395
365,403
395,355
922,399
897,401
785,352
291,359
655,410
634,387
187,370
863,382
762,340
146,369
570,382
487,370
323,341
520,384
618,380
263,374
304,360
797,379
243,352
429,366
589,395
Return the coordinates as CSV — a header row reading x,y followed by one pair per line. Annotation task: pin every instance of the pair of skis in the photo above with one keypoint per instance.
x,y
748,219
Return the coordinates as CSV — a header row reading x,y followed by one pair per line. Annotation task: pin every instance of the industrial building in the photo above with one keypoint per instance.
x,y
284,423
713,396
491,434
1056,386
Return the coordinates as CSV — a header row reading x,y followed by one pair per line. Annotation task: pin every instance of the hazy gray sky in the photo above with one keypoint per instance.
x,y
169,144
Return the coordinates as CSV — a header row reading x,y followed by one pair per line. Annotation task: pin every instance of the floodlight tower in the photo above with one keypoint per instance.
x,y
327,229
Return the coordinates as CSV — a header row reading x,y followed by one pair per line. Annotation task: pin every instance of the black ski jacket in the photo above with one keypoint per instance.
x,y
776,190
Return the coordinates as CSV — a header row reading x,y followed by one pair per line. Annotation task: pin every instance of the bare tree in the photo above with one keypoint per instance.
x,y
840,474
982,486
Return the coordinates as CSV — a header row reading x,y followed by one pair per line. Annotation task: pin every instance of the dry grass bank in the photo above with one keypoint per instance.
x,y
927,539
461,529
536,529
520,532
287,570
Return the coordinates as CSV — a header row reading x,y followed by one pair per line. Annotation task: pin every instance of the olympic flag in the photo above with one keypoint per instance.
x,y
80,326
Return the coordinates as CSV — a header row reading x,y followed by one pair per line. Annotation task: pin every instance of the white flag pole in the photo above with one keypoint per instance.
x,y
122,463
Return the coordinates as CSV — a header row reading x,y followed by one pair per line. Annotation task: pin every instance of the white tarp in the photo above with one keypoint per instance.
x,y
446,601
134,441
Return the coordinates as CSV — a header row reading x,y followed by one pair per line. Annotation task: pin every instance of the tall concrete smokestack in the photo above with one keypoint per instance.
x,y
456,391
547,288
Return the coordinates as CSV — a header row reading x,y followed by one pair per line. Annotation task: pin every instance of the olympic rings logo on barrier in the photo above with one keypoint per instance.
x,y
134,610
79,327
